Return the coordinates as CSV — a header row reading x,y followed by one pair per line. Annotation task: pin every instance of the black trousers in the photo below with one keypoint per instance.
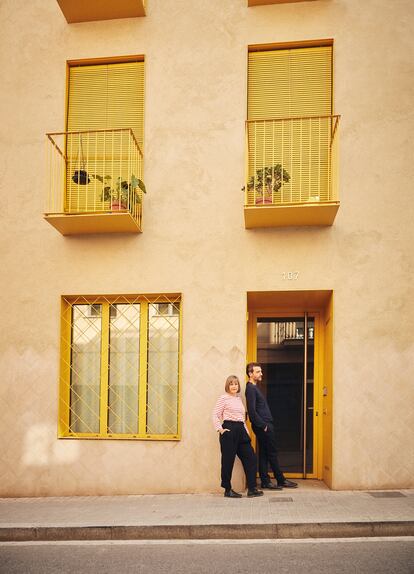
x,y
237,442
268,454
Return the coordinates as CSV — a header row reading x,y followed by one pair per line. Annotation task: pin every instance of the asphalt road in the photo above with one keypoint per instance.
x,y
356,556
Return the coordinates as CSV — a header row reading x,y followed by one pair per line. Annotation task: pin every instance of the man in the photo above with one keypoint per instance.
x,y
263,427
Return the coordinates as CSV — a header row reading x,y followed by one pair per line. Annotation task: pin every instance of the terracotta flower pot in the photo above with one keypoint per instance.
x,y
264,201
118,205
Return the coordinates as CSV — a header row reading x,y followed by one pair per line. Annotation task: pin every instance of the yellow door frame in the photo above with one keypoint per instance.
x,y
319,335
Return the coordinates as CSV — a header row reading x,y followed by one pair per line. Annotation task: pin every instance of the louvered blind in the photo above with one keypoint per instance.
x,y
102,97
285,84
107,96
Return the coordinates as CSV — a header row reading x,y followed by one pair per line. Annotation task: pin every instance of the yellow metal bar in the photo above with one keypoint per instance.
x,y
92,436
336,118
300,162
50,135
123,298
136,141
105,343
180,332
318,345
246,165
305,389
261,120
78,167
76,132
251,357
282,194
65,368
319,157
143,373
86,164
50,138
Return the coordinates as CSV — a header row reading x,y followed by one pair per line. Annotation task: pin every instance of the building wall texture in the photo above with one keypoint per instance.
x,y
194,241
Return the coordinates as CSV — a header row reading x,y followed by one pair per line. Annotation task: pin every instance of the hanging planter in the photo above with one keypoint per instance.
x,y
81,176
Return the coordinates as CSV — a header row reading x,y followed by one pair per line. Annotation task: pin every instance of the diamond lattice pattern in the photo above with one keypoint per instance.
x,y
121,376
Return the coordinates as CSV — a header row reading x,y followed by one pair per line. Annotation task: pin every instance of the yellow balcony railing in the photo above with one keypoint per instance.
x,y
94,181
291,171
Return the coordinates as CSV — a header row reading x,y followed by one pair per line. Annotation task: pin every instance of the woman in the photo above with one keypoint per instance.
x,y
228,418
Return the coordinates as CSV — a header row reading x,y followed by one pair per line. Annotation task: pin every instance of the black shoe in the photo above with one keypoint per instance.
x,y
231,494
288,484
254,492
271,486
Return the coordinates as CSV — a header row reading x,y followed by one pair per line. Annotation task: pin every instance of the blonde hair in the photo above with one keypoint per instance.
x,y
230,380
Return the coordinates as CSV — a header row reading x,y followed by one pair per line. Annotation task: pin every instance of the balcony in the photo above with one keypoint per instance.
x,y
264,2
90,10
291,172
94,182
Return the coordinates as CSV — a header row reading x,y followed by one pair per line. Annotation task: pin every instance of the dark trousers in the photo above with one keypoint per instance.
x,y
268,454
237,442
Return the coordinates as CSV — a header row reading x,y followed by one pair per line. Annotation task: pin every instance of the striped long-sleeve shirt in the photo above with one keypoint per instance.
x,y
229,408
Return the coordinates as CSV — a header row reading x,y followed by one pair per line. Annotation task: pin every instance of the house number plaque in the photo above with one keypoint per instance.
x,y
290,275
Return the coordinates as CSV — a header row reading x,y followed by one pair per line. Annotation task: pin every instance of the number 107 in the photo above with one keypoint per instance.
x,y
290,275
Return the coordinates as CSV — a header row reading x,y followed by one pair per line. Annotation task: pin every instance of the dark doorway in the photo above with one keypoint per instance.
x,y
285,351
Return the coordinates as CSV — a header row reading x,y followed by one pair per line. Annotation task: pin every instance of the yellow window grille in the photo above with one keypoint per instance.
x,y
120,367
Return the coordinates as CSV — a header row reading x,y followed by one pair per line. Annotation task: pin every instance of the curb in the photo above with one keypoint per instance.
x,y
211,531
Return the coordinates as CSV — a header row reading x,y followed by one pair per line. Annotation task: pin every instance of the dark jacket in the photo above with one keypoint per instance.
x,y
257,407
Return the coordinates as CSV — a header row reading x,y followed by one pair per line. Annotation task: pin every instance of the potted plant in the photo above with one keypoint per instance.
x,y
266,181
120,193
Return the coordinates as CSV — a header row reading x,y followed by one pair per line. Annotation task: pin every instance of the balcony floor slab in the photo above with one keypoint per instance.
x,y
320,214
81,11
88,223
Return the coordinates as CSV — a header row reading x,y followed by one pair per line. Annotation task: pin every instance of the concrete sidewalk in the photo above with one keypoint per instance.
x,y
311,511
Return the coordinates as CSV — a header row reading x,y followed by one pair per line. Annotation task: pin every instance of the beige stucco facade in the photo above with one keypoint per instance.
x,y
194,241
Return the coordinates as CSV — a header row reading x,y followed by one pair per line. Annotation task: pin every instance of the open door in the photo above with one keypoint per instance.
x,y
291,346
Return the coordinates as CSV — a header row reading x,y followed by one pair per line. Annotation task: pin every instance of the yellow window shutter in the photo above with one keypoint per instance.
x,y
102,97
286,83
107,96
289,125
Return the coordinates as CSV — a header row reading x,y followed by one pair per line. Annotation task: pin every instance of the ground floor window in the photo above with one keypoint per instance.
x,y
120,367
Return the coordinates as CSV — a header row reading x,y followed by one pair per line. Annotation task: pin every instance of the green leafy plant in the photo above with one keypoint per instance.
x,y
121,190
267,180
